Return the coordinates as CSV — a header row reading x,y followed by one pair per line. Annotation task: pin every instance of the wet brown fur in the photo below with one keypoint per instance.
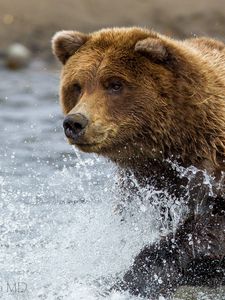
x,y
172,106
177,106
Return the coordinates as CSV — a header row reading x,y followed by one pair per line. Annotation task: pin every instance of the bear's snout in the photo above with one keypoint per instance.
x,y
74,126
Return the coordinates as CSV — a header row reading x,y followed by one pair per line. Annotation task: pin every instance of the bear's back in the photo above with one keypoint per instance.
x,y
212,51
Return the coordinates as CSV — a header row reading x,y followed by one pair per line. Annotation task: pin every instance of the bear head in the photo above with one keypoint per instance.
x,y
131,93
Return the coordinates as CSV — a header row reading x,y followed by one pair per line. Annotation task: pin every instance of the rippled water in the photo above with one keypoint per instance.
x,y
61,237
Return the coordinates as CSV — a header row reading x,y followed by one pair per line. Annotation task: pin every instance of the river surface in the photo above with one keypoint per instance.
x,y
60,234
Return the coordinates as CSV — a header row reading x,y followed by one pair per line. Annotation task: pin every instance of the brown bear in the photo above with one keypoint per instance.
x,y
147,101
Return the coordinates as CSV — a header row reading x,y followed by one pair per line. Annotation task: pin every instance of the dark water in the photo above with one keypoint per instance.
x,y
60,235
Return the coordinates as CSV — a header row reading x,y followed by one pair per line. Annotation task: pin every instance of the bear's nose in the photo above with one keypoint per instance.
x,y
74,125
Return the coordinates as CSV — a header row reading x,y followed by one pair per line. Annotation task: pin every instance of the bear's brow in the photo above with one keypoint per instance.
x,y
107,73
91,67
113,70
84,71
99,67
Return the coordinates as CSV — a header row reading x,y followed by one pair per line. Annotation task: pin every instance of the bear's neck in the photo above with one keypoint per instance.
x,y
147,170
171,178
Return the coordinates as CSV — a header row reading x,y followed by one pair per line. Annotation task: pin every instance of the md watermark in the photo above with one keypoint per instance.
x,y
13,287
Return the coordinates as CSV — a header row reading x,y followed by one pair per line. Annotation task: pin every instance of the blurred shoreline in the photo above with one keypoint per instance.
x,y
32,23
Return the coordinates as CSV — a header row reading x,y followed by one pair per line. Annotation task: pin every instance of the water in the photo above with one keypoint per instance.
x,y
61,236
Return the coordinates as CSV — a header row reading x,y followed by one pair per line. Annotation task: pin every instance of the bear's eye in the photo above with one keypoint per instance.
x,y
77,88
115,86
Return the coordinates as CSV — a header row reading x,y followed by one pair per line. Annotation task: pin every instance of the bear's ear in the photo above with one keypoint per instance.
x,y
65,43
153,48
